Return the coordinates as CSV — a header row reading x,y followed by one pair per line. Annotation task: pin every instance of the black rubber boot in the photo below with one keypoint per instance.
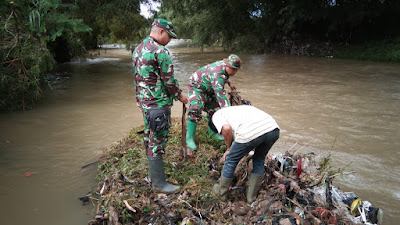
x,y
221,189
157,175
254,186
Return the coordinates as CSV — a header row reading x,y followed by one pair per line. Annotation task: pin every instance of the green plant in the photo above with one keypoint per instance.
x,y
28,28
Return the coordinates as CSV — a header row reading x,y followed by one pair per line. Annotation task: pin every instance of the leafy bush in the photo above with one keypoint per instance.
x,y
28,28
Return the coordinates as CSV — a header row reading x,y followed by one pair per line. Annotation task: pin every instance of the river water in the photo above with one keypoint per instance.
x,y
349,109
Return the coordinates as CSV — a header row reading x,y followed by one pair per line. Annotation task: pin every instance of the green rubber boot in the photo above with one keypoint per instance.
x,y
254,185
211,132
157,175
215,135
221,189
190,135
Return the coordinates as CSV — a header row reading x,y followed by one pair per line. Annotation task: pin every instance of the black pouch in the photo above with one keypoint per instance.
x,y
158,119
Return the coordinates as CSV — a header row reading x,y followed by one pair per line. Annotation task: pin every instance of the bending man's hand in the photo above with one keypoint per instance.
x,y
227,133
223,158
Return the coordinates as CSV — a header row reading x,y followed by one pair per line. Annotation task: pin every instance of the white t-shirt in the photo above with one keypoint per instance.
x,y
247,122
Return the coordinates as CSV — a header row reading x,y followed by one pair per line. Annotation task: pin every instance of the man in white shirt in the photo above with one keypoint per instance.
x,y
244,128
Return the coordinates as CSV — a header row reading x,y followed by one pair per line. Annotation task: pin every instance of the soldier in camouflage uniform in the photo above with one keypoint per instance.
x,y
156,88
206,93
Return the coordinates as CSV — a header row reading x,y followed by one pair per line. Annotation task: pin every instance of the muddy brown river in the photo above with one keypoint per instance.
x,y
349,109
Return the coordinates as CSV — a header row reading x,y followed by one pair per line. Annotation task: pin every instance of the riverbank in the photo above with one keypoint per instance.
x,y
125,195
379,51
387,50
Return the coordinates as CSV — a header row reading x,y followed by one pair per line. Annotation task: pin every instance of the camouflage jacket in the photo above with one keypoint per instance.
x,y
211,79
153,71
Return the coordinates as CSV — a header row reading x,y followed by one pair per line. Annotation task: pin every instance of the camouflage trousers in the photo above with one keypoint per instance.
x,y
154,139
200,101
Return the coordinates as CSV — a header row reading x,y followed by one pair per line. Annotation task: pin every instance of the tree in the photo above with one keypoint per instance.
x,y
28,27
112,20
264,21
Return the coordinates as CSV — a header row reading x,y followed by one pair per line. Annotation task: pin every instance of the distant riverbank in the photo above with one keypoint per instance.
x,y
379,51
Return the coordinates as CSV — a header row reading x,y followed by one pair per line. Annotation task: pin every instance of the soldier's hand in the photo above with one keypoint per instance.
x,y
183,99
232,86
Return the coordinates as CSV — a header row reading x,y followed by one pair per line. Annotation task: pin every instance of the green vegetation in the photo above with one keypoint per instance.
x,y
259,25
36,34
385,50
28,27
112,21
128,158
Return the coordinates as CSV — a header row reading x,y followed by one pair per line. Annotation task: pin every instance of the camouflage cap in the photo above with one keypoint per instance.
x,y
233,61
165,25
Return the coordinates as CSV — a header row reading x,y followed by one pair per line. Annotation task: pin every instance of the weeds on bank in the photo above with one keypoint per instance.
x,y
380,51
127,158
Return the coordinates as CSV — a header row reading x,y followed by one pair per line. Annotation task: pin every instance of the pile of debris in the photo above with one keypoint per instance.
x,y
296,189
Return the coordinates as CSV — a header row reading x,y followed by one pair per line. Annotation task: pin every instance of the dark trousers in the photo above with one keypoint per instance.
x,y
261,146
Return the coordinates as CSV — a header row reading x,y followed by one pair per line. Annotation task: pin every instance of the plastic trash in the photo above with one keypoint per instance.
x,y
348,197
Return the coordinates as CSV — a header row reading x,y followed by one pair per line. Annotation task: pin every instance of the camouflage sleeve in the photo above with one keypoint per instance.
x,y
167,74
228,81
134,61
218,83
